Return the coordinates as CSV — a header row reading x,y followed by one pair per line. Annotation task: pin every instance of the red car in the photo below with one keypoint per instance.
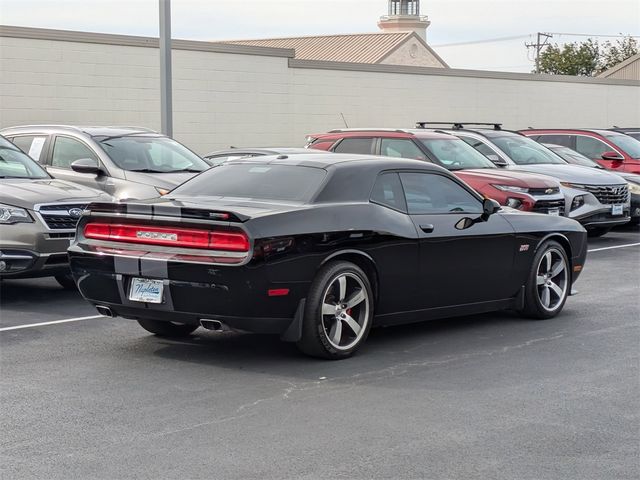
x,y
524,191
612,150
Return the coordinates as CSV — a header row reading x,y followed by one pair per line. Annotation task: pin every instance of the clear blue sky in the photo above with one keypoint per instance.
x,y
453,21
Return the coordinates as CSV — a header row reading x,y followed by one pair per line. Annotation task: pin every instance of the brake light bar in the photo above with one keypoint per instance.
x,y
169,236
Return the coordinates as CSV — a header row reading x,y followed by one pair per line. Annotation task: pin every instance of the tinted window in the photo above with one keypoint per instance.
x,y
151,154
564,140
388,191
591,147
363,146
455,154
31,145
429,193
255,181
14,163
630,145
401,148
67,150
524,151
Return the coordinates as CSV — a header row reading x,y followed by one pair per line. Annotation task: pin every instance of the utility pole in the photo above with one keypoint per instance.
x,y
543,41
166,97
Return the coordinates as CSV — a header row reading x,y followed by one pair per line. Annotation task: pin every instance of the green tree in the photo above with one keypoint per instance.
x,y
614,53
577,58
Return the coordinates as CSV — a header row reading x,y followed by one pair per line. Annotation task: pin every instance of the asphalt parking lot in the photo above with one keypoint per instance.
x,y
490,396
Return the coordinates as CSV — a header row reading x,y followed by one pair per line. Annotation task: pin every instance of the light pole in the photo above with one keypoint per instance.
x,y
166,99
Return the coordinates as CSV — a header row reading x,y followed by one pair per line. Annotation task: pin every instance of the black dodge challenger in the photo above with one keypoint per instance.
x,y
318,249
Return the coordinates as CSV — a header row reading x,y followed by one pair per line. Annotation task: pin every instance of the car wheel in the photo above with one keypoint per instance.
x,y
66,281
338,312
549,282
167,329
598,232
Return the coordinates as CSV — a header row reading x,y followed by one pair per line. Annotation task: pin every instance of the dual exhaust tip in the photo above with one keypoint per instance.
x,y
213,325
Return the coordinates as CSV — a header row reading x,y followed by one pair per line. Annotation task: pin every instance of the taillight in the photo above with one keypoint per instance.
x,y
169,236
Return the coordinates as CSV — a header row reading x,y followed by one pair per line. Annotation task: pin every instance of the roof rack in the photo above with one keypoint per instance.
x,y
340,130
458,125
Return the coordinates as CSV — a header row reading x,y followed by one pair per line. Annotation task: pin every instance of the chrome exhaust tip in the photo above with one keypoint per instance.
x,y
214,325
105,311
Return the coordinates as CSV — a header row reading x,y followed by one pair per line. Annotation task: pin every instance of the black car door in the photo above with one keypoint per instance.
x,y
458,266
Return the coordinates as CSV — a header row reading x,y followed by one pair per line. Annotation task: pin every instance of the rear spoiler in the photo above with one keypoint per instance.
x,y
166,211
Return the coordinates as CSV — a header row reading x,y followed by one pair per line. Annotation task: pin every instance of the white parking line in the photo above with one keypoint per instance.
x,y
66,320
611,248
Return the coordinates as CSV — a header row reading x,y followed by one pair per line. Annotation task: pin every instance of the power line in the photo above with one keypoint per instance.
x,y
487,40
594,35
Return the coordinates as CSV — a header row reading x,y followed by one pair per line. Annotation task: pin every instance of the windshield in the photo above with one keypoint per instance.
x,y
455,154
574,157
630,145
16,164
254,181
151,154
524,151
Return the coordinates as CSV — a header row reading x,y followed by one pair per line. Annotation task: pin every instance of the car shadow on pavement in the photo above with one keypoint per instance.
x,y
15,293
384,348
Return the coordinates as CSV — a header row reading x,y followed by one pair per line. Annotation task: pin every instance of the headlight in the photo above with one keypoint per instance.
x,y
634,188
512,188
162,191
9,214
577,202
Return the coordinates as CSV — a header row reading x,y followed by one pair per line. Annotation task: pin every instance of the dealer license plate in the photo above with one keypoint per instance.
x,y
146,290
617,209
554,211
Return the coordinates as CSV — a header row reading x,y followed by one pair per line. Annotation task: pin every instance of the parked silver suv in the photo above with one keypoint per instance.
x,y
38,216
125,162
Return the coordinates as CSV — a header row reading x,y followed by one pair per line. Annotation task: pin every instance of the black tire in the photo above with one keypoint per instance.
x,y
66,281
167,329
598,232
338,334
535,296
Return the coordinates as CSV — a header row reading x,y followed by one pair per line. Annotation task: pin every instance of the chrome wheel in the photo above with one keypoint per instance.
x,y
345,311
552,279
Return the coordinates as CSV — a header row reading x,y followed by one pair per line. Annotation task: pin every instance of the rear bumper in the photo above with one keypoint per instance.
x,y
234,295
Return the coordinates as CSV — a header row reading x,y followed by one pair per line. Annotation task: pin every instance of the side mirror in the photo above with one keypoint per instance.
x,y
496,160
612,155
87,165
489,207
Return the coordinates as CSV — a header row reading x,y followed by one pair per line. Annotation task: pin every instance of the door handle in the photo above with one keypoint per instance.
x,y
426,228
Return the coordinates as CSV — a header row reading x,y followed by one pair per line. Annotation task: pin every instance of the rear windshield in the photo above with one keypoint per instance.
x,y
253,181
524,151
627,143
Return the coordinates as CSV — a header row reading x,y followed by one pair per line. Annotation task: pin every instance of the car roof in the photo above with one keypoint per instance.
x,y
329,161
381,132
485,132
260,150
93,131
597,131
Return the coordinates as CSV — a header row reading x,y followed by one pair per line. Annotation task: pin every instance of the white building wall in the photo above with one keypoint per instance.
x,y
223,99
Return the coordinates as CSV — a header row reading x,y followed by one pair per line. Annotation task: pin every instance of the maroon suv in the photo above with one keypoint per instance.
x,y
524,191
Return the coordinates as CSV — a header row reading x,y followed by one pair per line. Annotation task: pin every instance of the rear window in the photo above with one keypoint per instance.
x,y
252,181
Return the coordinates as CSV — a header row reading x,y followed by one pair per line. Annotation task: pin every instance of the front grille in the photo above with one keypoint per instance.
x,y
544,191
58,217
543,206
609,194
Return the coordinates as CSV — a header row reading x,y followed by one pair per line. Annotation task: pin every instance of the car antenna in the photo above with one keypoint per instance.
x,y
346,125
